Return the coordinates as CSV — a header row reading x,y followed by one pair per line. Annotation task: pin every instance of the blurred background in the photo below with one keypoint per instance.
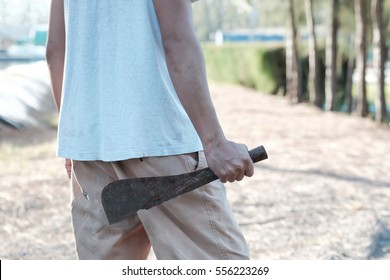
x,y
309,79
310,51
23,30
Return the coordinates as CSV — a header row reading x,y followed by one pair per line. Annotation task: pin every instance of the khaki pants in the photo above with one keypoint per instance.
x,y
196,225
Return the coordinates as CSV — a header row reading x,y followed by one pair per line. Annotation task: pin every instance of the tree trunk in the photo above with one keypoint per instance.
x,y
349,82
361,27
292,62
331,59
254,15
379,59
221,15
208,23
313,85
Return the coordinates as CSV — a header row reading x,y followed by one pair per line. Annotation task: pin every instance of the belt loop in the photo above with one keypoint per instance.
x,y
118,170
202,160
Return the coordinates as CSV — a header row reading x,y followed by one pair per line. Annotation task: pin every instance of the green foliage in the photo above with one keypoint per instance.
x,y
251,65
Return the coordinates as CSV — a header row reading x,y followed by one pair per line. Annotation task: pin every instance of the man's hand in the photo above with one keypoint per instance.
x,y
68,167
229,161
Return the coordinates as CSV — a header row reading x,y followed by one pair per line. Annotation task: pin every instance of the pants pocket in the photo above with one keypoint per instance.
x,y
192,160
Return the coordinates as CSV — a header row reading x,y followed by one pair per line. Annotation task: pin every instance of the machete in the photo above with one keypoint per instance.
x,y
123,198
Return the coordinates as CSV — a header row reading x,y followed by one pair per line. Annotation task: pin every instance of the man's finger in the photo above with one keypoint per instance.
x,y
250,170
68,167
240,177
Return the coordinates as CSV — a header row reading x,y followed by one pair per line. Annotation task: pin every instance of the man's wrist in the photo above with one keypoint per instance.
x,y
213,141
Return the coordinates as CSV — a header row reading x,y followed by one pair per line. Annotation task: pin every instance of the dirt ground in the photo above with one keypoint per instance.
x,y
324,192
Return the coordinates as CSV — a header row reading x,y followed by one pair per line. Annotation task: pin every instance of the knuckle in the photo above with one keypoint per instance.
x,y
223,180
236,169
249,173
223,177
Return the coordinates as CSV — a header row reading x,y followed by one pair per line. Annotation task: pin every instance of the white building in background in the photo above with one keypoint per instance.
x,y
22,44
9,35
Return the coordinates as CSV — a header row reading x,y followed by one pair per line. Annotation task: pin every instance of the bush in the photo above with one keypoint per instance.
x,y
251,65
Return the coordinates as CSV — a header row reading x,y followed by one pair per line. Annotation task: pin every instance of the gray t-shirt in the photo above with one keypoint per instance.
x,y
118,99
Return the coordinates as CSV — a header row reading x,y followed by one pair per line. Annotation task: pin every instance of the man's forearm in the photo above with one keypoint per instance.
x,y
56,70
230,161
187,69
55,48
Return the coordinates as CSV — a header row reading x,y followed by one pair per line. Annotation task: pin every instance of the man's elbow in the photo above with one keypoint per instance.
x,y
54,51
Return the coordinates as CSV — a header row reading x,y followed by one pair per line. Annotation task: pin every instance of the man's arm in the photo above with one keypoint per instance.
x,y
55,48
228,160
55,56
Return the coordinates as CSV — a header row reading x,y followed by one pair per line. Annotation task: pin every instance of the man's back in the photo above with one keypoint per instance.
x,y
118,98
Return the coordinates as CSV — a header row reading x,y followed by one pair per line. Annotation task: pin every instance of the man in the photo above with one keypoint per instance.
x,y
129,81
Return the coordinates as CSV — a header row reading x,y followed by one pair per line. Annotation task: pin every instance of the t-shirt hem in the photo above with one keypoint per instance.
x,y
129,153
